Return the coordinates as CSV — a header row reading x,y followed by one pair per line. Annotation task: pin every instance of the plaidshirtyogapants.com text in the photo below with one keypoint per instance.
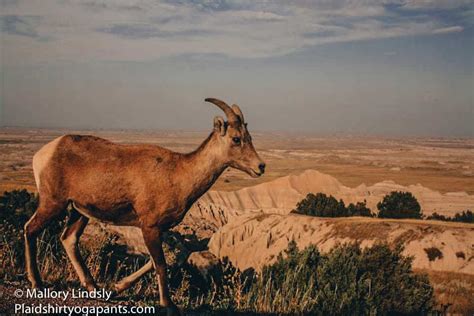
x,y
47,308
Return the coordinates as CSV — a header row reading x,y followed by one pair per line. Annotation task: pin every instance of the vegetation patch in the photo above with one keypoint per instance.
x,y
399,204
327,206
461,255
433,253
454,292
463,217
346,281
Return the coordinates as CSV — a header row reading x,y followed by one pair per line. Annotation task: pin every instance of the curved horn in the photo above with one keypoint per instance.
x,y
231,116
237,111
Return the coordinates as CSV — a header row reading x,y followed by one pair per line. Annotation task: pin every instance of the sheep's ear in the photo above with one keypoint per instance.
x,y
238,111
219,125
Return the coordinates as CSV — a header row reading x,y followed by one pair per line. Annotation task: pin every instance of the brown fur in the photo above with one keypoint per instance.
x,y
146,186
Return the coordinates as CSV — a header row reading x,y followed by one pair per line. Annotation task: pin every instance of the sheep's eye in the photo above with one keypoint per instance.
x,y
236,140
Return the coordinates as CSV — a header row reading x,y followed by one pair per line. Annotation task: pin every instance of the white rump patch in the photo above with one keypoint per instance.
x,y
42,158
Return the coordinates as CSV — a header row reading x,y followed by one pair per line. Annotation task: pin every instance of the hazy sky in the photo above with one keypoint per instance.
x,y
401,67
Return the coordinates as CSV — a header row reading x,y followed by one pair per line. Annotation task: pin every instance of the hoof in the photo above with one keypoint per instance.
x,y
114,295
90,287
120,287
37,285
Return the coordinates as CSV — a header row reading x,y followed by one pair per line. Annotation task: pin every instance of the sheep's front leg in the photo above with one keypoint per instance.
x,y
153,240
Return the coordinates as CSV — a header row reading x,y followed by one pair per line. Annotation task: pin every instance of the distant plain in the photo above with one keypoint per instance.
x,y
441,164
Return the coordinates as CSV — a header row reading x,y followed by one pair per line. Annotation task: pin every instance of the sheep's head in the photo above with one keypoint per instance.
x,y
235,140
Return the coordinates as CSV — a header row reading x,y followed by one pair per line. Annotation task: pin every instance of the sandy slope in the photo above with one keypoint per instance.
x,y
255,239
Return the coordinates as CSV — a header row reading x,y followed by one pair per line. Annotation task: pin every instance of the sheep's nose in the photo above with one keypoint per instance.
x,y
261,166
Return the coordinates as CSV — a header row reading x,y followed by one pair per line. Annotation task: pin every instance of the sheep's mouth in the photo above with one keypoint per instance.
x,y
254,174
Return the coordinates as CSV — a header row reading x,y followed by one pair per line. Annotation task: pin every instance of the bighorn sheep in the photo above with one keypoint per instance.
x,y
146,186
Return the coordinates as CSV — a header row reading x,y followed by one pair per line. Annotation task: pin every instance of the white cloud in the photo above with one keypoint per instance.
x,y
149,29
450,29
435,4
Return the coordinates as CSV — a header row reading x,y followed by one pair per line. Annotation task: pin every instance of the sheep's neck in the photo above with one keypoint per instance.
x,y
202,168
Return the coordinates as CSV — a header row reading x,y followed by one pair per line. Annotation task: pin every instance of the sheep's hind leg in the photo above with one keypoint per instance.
x,y
127,282
45,214
70,239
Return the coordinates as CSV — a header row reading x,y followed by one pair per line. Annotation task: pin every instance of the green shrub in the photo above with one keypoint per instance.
x,y
320,205
346,281
327,206
16,207
433,253
464,216
359,209
439,217
399,205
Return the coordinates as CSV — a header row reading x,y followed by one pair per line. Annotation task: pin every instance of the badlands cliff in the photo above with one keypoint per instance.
x,y
252,225
253,240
